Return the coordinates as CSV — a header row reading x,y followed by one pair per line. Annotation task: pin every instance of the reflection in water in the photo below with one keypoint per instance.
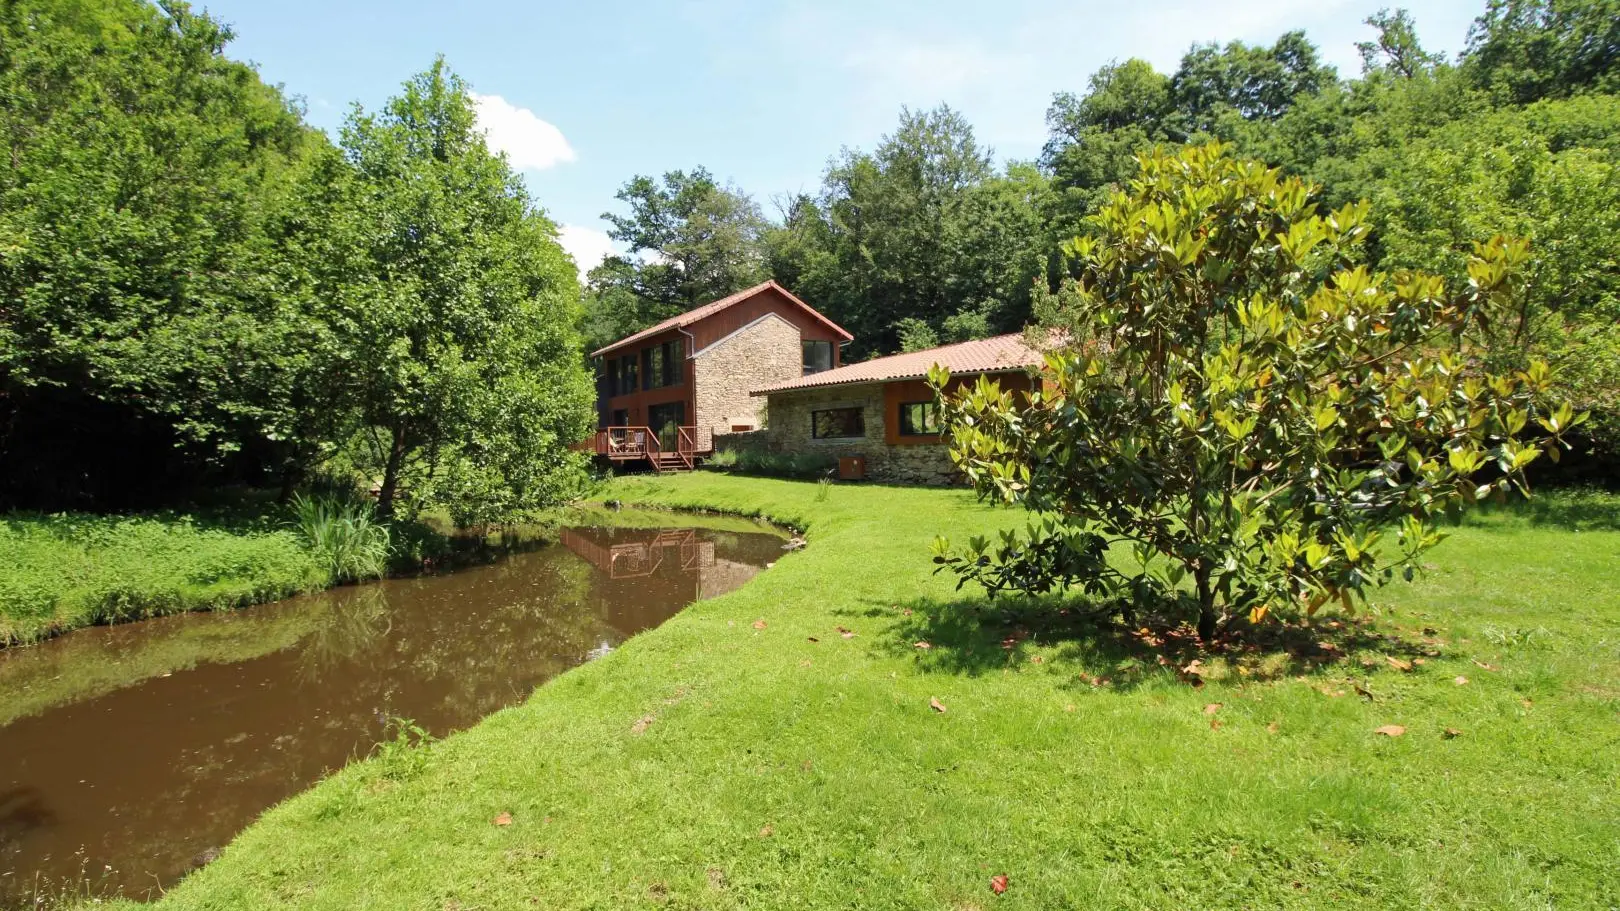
x,y
120,781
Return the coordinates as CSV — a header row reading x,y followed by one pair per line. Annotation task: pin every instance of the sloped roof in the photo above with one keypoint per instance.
x,y
713,307
987,355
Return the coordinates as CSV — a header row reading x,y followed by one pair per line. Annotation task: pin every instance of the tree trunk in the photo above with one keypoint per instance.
x,y
1206,604
390,481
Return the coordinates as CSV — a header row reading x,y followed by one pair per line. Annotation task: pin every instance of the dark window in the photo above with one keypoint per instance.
x,y
622,375
818,356
621,418
837,422
919,419
665,422
661,364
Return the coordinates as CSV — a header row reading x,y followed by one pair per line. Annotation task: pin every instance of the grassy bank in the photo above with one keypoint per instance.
x,y
776,748
66,571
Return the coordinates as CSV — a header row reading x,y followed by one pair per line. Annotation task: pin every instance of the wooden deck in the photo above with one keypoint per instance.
x,y
636,445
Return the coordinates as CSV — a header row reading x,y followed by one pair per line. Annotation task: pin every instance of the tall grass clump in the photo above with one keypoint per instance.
x,y
344,535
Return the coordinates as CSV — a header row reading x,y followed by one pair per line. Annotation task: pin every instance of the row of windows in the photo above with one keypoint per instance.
x,y
916,419
654,368
660,366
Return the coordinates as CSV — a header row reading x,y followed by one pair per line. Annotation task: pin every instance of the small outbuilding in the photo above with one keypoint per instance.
x,y
882,410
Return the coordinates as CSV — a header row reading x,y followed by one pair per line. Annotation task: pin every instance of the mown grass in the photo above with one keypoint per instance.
x,y
776,748
60,572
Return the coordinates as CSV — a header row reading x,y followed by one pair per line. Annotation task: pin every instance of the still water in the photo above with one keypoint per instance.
x,y
129,753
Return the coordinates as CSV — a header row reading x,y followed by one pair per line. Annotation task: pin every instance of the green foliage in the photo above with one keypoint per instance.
x,y
1251,415
755,460
66,571
344,535
138,267
916,231
1526,50
691,241
447,311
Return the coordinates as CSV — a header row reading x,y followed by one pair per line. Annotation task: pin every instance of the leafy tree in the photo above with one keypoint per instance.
x,y
1526,50
448,311
691,241
1253,83
1397,50
1242,410
920,229
140,331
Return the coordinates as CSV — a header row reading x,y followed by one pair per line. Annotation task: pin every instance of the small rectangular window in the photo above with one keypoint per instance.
x,y
837,423
919,419
818,356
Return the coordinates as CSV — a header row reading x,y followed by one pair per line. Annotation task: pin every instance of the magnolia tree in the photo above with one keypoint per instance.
x,y
1238,420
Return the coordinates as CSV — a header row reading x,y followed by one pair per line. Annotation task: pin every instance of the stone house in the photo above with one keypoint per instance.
x,y
883,411
666,391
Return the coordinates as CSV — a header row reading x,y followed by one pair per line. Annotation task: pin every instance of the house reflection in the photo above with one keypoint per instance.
x,y
643,569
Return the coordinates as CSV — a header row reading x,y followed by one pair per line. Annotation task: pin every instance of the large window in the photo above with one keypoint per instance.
x,y
661,364
919,419
837,423
622,375
818,356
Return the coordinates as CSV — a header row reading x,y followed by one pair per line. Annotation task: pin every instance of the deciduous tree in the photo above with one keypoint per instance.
x,y
1241,419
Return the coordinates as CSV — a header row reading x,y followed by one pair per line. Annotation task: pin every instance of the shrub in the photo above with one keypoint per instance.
x,y
344,534
1241,409
759,461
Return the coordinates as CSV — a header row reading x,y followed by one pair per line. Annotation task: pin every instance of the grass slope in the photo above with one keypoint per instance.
x,y
726,760
62,572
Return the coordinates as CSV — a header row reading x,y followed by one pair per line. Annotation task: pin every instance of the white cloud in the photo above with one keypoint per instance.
x,y
587,246
530,143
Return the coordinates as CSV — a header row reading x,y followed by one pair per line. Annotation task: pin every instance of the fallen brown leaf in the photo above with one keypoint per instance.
x,y
1273,728
766,832
642,724
1460,680
935,704
1036,659
812,639
922,645
1482,665
1213,707
1397,663
759,624
1214,724
505,819
1391,730
1452,732
998,883
846,633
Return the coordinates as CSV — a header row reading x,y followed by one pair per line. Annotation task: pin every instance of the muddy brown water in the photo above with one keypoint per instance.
x,y
129,754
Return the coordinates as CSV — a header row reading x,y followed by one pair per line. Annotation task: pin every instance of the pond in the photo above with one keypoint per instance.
x,y
130,754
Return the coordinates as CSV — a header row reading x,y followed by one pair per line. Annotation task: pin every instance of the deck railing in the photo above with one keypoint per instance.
x,y
632,443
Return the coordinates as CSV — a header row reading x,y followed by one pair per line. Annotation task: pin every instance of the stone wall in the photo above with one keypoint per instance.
x,y
914,463
762,353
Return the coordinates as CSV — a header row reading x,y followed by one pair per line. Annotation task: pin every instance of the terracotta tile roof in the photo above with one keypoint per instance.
x,y
713,307
988,355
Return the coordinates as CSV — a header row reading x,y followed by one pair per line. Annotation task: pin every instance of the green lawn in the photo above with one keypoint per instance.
x,y
751,754
66,571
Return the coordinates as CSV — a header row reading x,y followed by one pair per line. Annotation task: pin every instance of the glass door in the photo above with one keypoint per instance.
x,y
665,421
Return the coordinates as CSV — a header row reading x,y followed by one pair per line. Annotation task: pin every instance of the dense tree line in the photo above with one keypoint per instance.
x,y
197,287
925,239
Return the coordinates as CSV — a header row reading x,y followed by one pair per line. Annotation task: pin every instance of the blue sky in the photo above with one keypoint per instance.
x,y
584,95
